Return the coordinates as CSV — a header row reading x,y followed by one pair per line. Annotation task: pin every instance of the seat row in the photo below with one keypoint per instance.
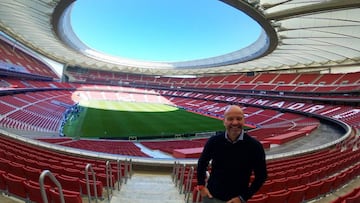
x,y
29,190
27,164
350,197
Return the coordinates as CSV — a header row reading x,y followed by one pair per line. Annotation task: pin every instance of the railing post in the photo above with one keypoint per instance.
x,y
42,186
118,165
182,178
188,185
174,171
126,170
87,167
109,182
177,171
131,169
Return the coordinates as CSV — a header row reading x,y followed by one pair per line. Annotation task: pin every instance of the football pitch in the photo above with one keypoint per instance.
x,y
123,120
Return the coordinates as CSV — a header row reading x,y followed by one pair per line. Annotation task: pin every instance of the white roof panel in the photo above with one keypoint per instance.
x,y
310,32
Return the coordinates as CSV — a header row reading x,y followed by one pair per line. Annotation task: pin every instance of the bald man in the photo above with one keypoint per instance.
x,y
234,156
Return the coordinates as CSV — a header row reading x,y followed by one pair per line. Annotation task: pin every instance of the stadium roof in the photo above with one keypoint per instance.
x,y
296,34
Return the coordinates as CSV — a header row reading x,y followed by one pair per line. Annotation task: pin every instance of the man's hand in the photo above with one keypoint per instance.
x,y
235,200
204,192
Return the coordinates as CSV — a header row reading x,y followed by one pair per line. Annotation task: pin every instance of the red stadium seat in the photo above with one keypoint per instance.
x,y
102,177
297,194
327,186
339,181
33,191
279,196
17,169
258,198
353,199
73,172
314,190
305,178
278,184
56,169
293,181
2,181
4,164
69,196
69,183
266,187
99,188
32,173
15,185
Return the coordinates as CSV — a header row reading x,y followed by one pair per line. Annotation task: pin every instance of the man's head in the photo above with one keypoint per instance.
x,y
234,120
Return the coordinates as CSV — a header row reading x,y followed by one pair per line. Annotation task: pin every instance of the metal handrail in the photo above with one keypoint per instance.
x,y
42,186
126,171
87,167
119,173
188,179
182,178
177,171
109,181
174,171
188,185
131,168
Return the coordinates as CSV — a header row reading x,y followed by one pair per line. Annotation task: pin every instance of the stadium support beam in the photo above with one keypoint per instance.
x,y
259,17
313,8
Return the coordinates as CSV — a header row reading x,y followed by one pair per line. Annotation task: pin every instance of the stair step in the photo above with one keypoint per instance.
x,y
149,188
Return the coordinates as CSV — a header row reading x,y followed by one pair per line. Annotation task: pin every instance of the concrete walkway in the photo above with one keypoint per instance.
x,y
149,188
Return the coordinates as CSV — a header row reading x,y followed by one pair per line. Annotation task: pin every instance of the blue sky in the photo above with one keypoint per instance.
x,y
162,30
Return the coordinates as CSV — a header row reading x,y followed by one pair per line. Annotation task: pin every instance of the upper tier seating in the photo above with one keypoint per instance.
x,y
301,82
12,55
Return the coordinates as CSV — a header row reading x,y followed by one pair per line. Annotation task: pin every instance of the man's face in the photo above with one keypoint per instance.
x,y
234,121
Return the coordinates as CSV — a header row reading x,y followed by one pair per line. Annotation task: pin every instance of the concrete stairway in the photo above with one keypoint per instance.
x,y
149,188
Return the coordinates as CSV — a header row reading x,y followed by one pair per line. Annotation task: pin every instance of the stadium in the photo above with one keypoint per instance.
x,y
110,129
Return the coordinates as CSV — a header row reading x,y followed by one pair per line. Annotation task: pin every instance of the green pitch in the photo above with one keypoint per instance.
x,y
114,119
